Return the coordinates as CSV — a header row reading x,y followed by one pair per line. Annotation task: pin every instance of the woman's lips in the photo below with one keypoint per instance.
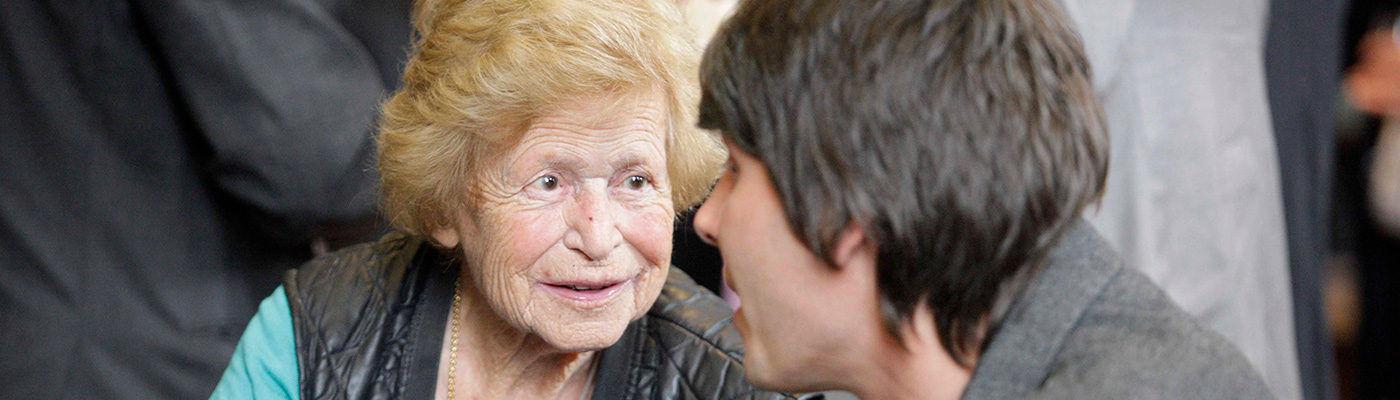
x,y
587,293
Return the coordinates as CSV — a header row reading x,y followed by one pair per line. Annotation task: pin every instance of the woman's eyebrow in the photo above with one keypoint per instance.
x,y
561,162
527,167
630,160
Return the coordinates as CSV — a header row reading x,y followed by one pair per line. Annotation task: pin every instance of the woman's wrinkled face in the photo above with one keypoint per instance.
x,y
570,236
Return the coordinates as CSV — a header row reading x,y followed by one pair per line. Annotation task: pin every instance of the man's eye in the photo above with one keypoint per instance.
x,y
547,182
636,182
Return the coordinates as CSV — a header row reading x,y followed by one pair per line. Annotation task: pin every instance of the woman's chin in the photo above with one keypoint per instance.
x,y
569,323
584,337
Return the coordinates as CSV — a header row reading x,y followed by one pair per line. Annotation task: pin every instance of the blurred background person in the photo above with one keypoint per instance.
x,y
162,163
1366,245
1374,84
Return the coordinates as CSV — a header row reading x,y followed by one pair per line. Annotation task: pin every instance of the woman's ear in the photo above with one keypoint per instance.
x,y
854,249
447,237
451,235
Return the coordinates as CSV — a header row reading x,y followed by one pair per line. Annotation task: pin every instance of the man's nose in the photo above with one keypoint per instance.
x,y
706,221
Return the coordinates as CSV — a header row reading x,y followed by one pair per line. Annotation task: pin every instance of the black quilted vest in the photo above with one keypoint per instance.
x,y
369,322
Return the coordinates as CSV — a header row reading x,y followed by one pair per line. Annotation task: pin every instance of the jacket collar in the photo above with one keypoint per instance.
x,y
1021,352
429,322
615,376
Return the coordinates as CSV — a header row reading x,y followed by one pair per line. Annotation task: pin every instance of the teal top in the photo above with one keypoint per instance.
x,y
264,365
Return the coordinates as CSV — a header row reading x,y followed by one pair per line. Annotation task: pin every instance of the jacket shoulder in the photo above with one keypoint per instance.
x,y
337,291
699,347
348,314
694,312
1134,342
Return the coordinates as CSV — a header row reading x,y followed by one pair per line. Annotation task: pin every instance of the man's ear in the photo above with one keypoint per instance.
x,y
853,248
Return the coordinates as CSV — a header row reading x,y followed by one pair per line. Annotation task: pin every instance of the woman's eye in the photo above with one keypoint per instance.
x,y
547,182
636,182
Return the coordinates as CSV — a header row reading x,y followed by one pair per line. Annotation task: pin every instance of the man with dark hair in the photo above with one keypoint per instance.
x,y
901,213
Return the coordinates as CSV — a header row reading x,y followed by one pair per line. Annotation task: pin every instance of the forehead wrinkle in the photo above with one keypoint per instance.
x,y
626,155
571,151
625,160
647,106
647,123
566,130
596,126
522,161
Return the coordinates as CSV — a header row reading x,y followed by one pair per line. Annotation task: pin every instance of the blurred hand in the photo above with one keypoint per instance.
x,y
1374,83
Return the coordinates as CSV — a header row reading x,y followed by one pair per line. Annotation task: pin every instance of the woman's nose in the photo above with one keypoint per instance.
x,y
593,229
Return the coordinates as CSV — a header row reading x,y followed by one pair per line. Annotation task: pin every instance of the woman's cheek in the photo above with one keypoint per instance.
x,y
529,235
649,231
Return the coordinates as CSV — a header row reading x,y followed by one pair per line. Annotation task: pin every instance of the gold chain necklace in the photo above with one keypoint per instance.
x,y
452,366
452,359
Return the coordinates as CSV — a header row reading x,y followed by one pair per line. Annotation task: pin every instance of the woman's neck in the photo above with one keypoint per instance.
x,y
497,361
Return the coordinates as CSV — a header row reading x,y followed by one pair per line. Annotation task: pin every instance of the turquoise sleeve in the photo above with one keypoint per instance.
x,y
264,364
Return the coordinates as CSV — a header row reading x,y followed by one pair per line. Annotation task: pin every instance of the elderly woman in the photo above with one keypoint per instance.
x,y
533,163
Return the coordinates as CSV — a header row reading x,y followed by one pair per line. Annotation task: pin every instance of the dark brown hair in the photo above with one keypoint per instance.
x,y
962,135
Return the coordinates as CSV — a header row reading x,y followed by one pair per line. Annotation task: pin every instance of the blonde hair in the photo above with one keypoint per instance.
x,y
483,69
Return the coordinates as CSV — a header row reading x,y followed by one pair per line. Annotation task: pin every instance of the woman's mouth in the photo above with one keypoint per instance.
x,y
587,293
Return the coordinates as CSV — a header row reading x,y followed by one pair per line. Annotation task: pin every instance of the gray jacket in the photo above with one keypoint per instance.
x,y
1086,327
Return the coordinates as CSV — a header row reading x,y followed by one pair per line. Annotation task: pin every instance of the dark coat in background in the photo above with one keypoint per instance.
x,y
162,163
1302,63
